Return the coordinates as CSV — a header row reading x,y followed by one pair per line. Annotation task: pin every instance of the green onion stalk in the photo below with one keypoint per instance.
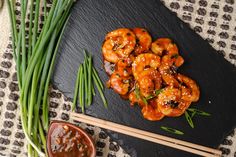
x,y
35,62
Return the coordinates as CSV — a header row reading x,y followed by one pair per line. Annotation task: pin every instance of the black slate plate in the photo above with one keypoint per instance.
x,y
87,27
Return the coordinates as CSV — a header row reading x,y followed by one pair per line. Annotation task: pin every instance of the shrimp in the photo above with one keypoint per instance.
x,y
134,99
145,61
124,66
172,60
164,46
143,42
170,103
151,112
149,81
118,44
120,84
168,75
190,90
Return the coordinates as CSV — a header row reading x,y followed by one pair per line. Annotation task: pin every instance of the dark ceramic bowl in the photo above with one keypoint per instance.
x,y
55,124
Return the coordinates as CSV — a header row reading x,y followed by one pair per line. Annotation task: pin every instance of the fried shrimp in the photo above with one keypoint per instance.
x,y
118,44
151,112
143,42
190,90
146,73
134,99
168,75
163,46
170,103
124,66
172,60
149,81
145,61
120,84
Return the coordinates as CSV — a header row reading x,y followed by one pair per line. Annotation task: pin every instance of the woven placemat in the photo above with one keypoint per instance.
x,y
12,140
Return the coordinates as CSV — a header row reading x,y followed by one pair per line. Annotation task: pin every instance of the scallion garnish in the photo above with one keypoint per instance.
x,y
137,92
189,119
171,130
198,112
157,92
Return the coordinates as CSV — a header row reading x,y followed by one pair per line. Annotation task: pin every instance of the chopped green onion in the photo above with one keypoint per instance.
x,y
189,119
192,114
137,92
145,101
199,112
157,92
171,130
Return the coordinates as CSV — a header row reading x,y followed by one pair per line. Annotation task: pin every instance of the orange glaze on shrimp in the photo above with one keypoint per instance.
x,y
168,75
124,66
138,68
164,46
149,81
144,61
118,44
151,111
143,42
136,100
190,90
119,84
170,103
172,60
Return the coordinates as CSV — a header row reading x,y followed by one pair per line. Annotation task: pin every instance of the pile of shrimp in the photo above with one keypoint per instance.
x,y
145,72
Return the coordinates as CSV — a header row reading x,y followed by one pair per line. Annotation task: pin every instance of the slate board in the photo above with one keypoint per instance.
x,y
87,27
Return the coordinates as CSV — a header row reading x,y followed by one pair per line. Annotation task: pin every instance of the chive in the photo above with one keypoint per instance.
x,y
90,80
189,119
199,112
171,130
157,92
30,30
192,114
76,89
100,91
145,101
41,133
95,74
137,92
81,89
85,80
23,44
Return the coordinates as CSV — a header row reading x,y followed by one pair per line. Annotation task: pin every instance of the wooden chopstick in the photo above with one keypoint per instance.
x,y
160,139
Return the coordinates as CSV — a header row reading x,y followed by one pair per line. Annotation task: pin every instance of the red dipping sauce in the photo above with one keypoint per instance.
x,y
67,140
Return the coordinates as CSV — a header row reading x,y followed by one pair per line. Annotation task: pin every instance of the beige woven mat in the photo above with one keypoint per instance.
x,y
12,141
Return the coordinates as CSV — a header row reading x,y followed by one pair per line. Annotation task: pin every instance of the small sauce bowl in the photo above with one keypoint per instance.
x,y
67,140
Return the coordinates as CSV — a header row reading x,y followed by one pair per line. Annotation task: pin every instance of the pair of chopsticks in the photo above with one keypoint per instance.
x,y
156,138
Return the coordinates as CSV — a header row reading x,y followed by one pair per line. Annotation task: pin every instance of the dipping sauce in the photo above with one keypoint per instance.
x,y
67,140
